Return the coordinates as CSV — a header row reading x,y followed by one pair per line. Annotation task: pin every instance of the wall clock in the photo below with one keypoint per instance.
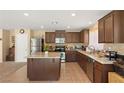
x,y
22,31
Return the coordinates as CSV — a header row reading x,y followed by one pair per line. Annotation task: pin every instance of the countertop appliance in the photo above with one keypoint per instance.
x,y
112,55
37,45
61,49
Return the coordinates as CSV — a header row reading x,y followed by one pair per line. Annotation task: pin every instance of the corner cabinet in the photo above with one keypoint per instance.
x,y
111,27
84,35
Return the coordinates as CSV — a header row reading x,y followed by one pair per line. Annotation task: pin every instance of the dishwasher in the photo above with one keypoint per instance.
x,y
90,69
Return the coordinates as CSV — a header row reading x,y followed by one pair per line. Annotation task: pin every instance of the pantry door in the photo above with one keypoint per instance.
x,y
21,48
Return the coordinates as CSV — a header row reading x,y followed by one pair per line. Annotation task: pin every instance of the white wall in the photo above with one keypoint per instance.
x,y
17,32
37,33
1,45
93,37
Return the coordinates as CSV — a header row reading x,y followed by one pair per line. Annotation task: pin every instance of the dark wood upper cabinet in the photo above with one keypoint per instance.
x,y
109,32
119,26
50,37
84,36
76,37
68,37
105,28
72,37
101,33
60,33
111,27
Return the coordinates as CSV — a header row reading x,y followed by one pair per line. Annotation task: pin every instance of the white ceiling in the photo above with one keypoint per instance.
x,y
12,19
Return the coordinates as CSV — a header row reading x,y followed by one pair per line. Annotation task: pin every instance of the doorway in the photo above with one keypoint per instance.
x,y
21,47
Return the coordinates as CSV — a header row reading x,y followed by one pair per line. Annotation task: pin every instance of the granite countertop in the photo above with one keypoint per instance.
x,y
102,60
43,55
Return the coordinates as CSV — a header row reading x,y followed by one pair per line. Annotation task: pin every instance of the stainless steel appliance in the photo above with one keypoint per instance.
x,y
59,40
61,49
37,45
90,69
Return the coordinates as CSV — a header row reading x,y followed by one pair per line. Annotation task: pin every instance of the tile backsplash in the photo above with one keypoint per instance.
x,y
116,47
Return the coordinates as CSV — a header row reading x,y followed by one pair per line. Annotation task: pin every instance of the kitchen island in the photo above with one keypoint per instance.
x,y
41,66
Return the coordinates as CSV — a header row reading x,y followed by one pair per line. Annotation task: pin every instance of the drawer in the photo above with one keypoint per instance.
x,y
98,66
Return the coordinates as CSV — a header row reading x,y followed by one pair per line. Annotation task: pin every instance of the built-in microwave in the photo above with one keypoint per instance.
x,y
59,40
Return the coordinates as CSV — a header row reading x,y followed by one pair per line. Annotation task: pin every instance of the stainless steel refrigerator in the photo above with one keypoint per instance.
x,y
37,45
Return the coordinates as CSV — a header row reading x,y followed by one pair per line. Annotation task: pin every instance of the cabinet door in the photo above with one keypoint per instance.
x,y
68,37
98,72
47,37
82,61
101,34
109,33
82,36
75,37
52,69
50,37
86,37
97,76
60,33
70,56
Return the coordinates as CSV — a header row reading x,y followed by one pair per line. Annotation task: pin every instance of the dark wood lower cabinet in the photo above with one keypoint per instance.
x,y
96,72
82,61
43,69
101,72
70,56
97,76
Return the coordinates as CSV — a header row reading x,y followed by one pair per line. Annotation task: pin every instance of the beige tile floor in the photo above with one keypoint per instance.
x,y
70,73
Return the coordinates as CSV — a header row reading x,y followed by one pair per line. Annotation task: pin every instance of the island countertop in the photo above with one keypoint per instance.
x,y
43,55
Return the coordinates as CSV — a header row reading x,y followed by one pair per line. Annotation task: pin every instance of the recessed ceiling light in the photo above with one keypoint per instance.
x,y
68,27
42,27
73,14
26,14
